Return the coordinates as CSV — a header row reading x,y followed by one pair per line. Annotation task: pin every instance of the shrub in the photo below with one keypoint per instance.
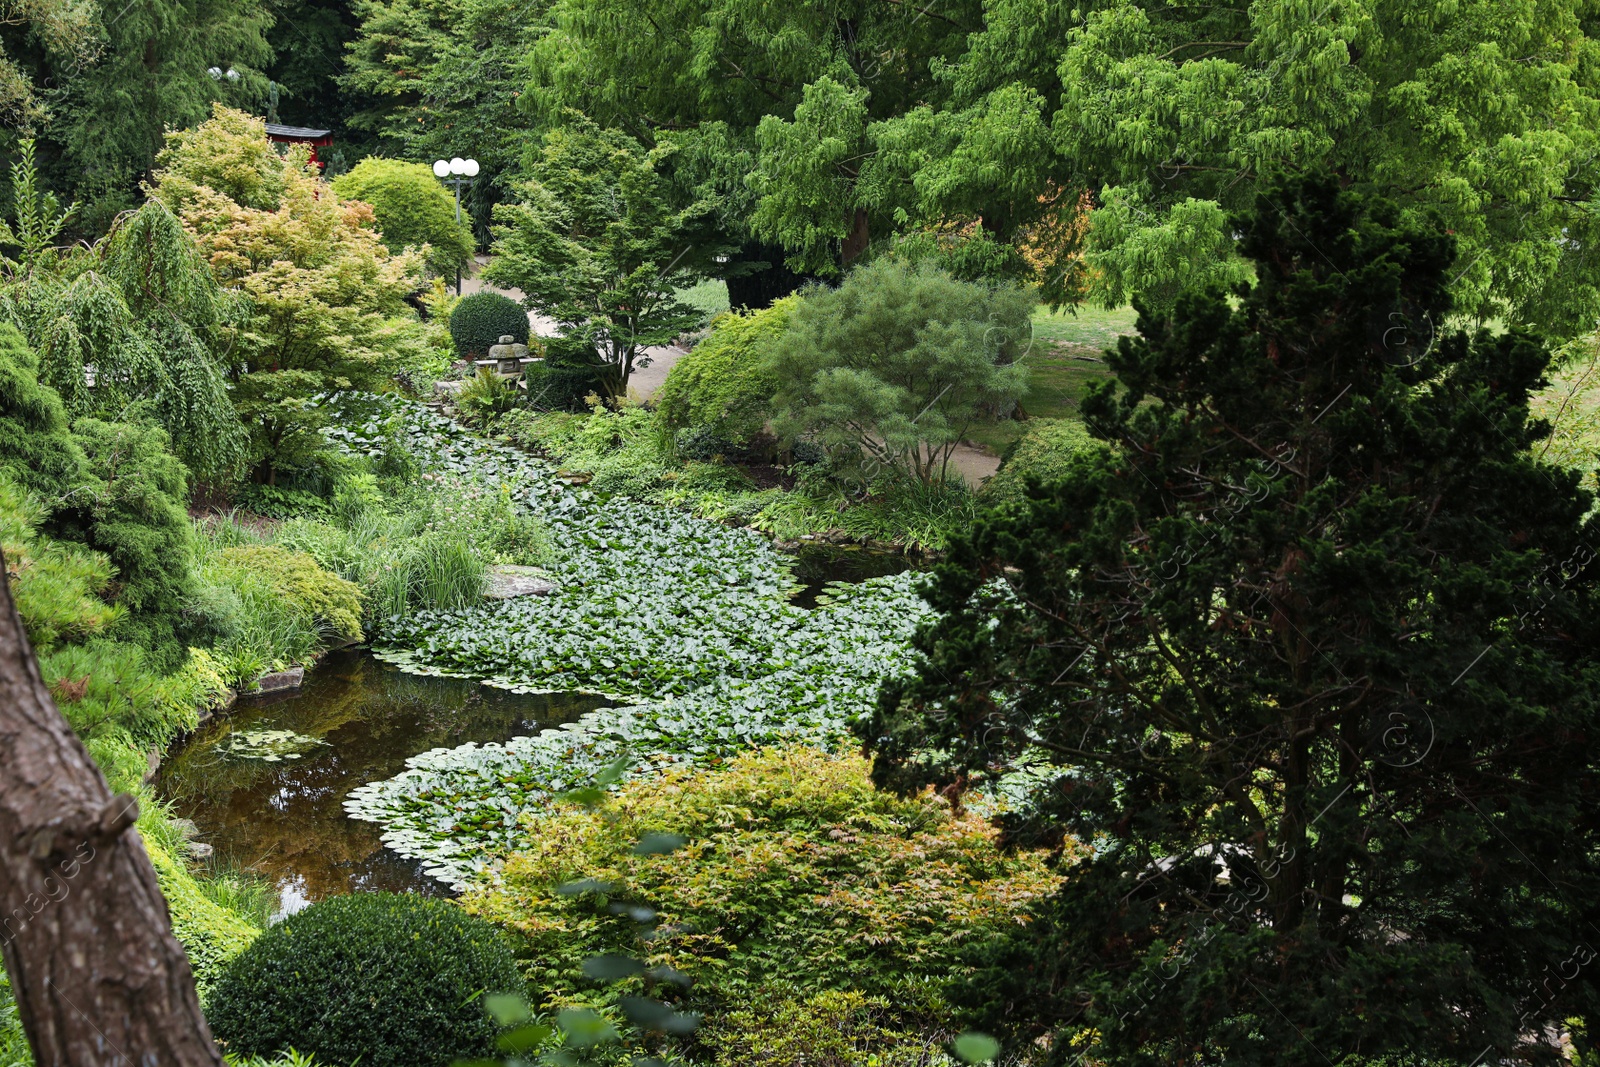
x,y
413,209
486,396
830,1029
481,319
130,505
387,979
288,608
36,449
788,851
897,363
721,388
56,585
1043,453
334,603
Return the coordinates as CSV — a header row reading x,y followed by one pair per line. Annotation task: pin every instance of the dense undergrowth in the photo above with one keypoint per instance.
x,y
802,898
625,451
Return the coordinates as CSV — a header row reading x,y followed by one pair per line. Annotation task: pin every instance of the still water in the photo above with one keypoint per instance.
x,y
284,818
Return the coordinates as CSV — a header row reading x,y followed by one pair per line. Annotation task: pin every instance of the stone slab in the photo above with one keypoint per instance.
x,y
507,580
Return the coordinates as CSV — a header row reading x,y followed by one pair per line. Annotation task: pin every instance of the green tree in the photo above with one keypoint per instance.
x,y
434,79
597,244
413,210
723,70
129,504
111,486
37,451
1170,115
326,299
309,51
135,317
721,388
897,363
1310,658
145,71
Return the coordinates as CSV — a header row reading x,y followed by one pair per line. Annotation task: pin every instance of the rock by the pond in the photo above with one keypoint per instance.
x,y
199,850
280,680
507,580
447,388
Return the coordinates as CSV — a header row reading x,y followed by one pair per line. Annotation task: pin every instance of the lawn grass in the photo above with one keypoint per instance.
x,y
1066,355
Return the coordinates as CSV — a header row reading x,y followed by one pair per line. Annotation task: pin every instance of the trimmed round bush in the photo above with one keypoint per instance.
x,y
480,320
394,980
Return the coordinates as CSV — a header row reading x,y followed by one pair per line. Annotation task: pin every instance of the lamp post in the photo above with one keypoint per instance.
x,y
457,172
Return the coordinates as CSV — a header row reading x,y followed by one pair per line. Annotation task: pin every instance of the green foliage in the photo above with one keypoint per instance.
x,y
413,209
211,935
37,451
1043,454
270,606
571,376
487,396
721,387
413,62
14,1051
598,243
621,448
428,551
892,367
836,1028
649,604
1310,660
327,300
137,317
129,504
718,69
480,319
117,79
380,978
782,850
56,585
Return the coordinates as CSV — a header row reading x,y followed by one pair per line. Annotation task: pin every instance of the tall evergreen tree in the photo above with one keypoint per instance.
x,y
1304,669
104,115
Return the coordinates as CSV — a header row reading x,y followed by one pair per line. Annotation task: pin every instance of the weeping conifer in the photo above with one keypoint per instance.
x,y
137,317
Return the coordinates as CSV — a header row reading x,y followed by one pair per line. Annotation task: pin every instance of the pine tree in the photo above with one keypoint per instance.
x,y
1304,669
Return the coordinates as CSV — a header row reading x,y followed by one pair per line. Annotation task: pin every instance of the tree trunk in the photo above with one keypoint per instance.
x,y
856,240
97,975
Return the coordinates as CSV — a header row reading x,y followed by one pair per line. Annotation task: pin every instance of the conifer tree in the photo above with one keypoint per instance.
x,y
1306,667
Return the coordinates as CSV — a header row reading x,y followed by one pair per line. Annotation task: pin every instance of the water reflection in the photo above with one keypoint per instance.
x,y
818,564
286,820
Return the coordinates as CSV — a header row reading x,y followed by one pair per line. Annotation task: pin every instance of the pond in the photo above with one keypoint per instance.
x,y
265,784
818,564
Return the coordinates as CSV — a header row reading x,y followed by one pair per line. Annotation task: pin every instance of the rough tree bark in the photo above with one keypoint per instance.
x,y
97,975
